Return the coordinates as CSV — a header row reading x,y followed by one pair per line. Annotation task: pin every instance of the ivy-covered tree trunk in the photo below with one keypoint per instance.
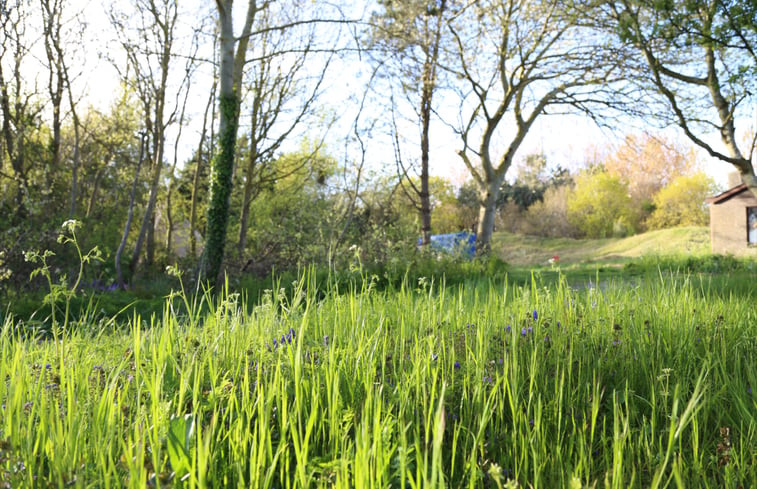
x,y
222,166
221,172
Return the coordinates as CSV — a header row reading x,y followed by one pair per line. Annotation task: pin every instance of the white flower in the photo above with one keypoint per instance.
x,y
71,225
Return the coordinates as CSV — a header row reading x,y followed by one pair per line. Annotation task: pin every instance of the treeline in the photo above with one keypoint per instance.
x,y
284,132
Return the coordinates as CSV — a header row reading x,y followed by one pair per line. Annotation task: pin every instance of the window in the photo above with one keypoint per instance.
x,y
751,225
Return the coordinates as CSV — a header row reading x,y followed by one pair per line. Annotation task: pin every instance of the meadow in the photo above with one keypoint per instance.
x,y
640,382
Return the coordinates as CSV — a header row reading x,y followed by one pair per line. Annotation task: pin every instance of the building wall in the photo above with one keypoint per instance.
x,y
728,229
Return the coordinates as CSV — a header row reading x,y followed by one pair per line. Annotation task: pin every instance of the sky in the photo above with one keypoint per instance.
x,y
565,139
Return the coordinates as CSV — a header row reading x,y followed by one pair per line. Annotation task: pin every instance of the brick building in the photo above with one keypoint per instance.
x,y
733,222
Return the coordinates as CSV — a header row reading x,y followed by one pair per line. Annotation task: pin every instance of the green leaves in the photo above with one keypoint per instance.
x,y
179,444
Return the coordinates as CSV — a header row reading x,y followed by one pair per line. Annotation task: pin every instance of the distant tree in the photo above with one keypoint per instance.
x,y
600,206
647,163
682,202
152,22
518,60
410,34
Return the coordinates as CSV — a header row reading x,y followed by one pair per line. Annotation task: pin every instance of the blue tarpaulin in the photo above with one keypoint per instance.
x,y
464,243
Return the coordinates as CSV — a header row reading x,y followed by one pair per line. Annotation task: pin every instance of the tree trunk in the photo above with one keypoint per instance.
x,y
130,216
486,214
425,196
247,199
96,186
150,210
222,169
196,178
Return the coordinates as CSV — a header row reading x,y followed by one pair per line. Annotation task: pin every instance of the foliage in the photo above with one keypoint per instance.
x,y
549,217
647,163
682,202
600,206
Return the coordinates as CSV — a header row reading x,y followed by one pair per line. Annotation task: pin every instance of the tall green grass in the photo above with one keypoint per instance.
x,y
642,384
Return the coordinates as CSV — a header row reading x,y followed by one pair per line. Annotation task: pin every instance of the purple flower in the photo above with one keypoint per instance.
x,y
536,316
749,390
558,324
531,423
523,332
457,365
508,328
530,329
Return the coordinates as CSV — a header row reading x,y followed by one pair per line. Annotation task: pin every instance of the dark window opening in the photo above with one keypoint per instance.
x,y
751,225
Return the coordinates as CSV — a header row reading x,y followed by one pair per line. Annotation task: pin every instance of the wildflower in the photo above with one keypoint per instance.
x,y
558,324
523,332
536,316
615,342
508,328
434,356
326,340
531,423
749,390
530,329
457,365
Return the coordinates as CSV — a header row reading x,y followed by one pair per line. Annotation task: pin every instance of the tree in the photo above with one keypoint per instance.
x,y
699,61
232,55
154,23
600,206
17,108
411,33
519,60
59,58
647,163
682,202
283,81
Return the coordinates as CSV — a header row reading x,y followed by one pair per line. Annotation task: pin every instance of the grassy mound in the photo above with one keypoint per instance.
x,y
523,250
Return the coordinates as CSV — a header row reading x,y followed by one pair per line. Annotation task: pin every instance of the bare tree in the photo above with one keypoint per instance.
x,y
410,34
698,63
518,60
60,55
147,37
17,106
283,83
130,216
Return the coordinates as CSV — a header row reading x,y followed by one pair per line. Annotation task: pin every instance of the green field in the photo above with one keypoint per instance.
x,y
523,250
645,382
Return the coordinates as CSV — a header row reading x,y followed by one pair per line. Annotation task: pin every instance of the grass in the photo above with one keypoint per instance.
x,y
521,250
641,383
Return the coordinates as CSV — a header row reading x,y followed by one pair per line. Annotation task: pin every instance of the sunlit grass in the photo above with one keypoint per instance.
x,y
646,384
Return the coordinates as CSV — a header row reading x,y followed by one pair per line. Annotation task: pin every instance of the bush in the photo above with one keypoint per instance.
x,y
600,206
682,202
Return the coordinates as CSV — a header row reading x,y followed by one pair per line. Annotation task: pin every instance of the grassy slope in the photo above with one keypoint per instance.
x,y
532,250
